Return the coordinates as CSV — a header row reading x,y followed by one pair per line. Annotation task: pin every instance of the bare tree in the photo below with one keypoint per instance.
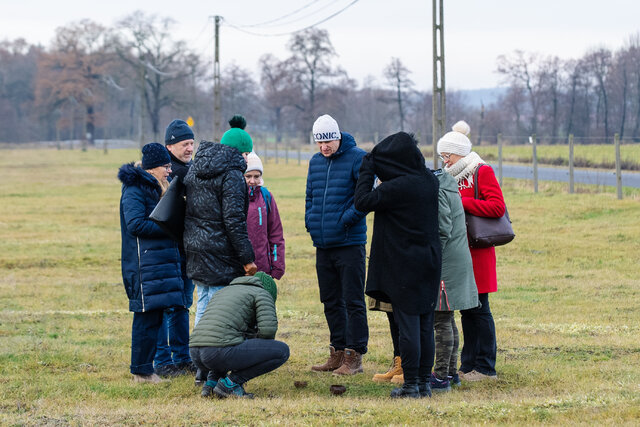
x,y
312,53
397,76
161,63
522,70
279,87
76,71
599,64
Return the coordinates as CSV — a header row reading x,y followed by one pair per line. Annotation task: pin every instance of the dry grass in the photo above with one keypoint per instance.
x,y
567,314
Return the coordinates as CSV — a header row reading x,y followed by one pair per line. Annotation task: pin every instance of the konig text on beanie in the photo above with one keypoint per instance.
x,y
326,128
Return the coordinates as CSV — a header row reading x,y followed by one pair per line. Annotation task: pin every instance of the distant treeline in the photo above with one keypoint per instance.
x,y
129,80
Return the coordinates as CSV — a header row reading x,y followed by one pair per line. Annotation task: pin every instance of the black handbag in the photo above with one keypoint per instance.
x,y
169,212
484,232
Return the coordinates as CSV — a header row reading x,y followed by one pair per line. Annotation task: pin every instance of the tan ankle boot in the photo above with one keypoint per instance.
x,y
398,379
352,363
335,360
395,369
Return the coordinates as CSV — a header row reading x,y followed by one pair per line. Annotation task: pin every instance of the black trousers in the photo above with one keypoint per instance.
x,y
479,332
341,273
417,347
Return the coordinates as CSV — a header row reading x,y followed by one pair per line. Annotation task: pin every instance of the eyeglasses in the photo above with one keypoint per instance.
x,y
444,157
167,167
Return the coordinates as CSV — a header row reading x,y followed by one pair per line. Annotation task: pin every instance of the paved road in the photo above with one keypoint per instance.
x,y
581,176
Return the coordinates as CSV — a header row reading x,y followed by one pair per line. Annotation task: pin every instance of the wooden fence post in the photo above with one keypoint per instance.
x,y
571,174
616,140
535,163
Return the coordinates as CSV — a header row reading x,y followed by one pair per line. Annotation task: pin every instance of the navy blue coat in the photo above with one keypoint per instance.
x,y
330,216
150,259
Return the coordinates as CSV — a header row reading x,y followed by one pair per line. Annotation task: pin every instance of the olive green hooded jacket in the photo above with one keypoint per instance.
x,y
239,311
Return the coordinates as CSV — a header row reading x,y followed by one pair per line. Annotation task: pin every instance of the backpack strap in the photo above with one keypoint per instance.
x,y
266,195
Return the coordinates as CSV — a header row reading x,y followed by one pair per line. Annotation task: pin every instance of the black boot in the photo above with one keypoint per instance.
x,y
407,390
424,388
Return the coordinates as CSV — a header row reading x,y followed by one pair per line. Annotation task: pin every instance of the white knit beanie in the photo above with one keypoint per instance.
x,y
456,141
254,163
326,128
462,127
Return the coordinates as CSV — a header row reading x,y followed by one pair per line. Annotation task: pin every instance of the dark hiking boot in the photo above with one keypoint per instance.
x,y
336,357
406,391
227,388
352,363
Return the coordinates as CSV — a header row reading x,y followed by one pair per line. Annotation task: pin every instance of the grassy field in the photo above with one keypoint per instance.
x,y
567,314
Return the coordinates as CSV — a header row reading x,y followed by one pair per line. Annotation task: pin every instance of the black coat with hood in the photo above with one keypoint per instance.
x,y
405,258
215,226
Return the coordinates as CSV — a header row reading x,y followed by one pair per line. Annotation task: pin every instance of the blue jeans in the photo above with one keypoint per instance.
x,y
144,336
250,359
173,336
205,293
479,331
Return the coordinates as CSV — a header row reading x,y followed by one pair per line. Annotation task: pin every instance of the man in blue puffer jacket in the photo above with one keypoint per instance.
x,y
339,233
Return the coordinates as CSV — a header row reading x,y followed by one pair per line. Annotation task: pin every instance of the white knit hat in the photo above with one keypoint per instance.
x,y
462,127
326,128
457,141
254,163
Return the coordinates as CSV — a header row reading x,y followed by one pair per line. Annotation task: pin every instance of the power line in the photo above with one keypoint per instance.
x,y
253,33
282,17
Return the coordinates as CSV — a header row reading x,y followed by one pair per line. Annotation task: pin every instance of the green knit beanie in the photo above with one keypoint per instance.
x,y
239,139
268,284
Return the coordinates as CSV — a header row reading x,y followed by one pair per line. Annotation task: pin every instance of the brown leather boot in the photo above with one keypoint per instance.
x,y
395,369
352,363
334,362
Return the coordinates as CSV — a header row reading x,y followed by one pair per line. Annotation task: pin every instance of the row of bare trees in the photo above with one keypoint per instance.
x,y
129,80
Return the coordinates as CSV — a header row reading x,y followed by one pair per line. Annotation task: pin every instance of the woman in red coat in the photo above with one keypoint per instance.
x,y
478,357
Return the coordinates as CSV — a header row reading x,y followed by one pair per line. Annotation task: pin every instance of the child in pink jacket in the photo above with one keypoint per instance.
x,y
263,222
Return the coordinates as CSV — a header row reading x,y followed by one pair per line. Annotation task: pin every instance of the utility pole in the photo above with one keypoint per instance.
x,y
216,81
438,96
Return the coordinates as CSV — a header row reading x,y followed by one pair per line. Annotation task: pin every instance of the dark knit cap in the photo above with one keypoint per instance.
x,y
268,284
177,131
154,155
238,121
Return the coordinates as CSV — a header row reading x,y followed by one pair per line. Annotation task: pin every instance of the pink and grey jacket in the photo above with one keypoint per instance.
x,y
265,234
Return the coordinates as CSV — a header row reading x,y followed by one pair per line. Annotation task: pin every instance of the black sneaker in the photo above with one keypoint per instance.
x,y
454,380
189,367
438,385
207,389
169,371
227,388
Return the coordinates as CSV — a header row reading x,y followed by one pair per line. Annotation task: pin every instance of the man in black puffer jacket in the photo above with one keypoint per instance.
x,y
215,228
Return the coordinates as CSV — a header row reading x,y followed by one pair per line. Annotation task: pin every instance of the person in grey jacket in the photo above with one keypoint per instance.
x,y
234,339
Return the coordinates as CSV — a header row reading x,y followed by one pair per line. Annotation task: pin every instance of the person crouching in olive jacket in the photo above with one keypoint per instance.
x,y
234,339
150,260
405,258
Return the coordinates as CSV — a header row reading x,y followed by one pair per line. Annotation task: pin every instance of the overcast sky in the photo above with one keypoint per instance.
x,y
367,34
